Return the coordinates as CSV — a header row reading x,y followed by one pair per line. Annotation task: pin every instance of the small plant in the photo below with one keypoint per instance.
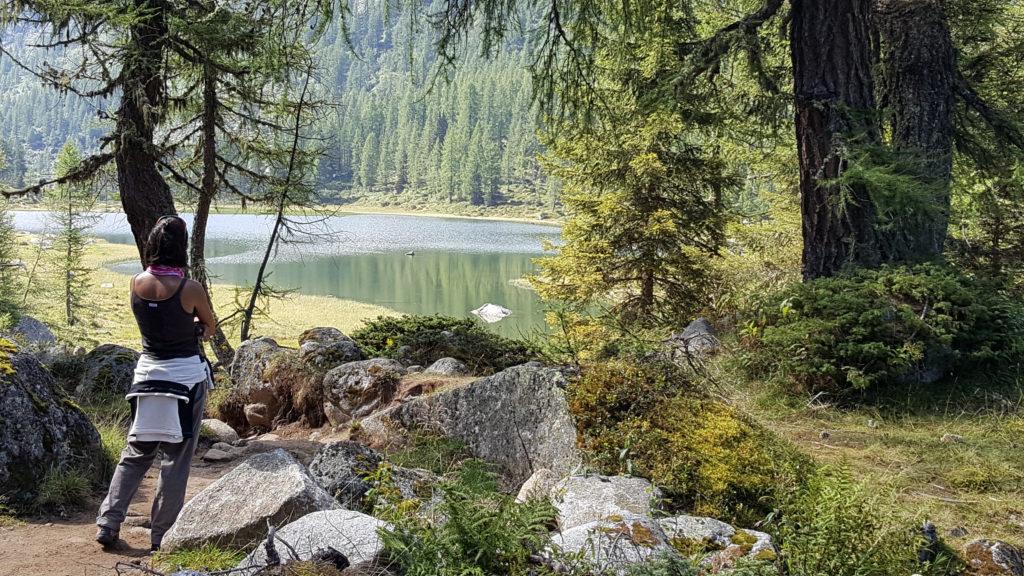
x,y
207,557
836,526
63,489
425,339
434,452
486,532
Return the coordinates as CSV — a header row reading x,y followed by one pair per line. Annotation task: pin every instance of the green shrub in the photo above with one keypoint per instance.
x,y
647,420
486,532
63,489
874,328
836,526
430,338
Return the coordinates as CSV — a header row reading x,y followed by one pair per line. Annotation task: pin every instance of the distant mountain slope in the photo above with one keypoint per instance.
x,y
398,133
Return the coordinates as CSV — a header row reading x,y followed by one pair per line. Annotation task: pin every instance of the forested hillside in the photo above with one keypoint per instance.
x,y
396,131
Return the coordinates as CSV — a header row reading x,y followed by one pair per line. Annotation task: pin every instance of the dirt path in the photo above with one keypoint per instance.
x,y
66,546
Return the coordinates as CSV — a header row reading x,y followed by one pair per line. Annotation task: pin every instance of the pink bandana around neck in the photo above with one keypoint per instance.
x,y
159,270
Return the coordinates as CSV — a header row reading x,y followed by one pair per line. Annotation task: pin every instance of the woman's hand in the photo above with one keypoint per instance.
x,y
207,331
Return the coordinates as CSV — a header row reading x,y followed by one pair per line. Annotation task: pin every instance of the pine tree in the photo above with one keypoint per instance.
x,y
368,162
69,206
9,271
647,215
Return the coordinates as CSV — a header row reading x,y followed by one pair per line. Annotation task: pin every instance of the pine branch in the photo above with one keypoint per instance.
x,y
83,172
1003,127
705,56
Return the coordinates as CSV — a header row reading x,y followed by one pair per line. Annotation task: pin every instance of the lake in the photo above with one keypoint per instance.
x,y
459,264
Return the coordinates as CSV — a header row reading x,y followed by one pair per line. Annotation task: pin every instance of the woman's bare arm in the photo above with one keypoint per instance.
x,y
197,299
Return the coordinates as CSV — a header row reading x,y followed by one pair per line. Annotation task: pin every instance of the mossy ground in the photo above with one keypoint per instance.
x,y
108,318
954,458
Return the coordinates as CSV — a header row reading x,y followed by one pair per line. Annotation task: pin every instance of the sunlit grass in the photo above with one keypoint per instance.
x,y
208,558
949,459
108,317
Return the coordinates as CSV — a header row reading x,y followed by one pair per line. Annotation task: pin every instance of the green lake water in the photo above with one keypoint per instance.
x,y
458,264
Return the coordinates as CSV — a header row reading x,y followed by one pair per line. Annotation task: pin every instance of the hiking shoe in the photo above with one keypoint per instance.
x,y
106,536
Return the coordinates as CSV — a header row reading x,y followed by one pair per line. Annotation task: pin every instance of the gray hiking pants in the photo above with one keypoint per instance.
x,y
175,465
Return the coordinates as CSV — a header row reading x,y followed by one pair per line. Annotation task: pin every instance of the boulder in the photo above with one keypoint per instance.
x,y
993,558
707,533
748,544
352,533
32,333
726,544
108,370
39,427
537,486
358,389
584,499
234,510
219,431
217,455
448,367
517,419
418,484
611,546
697,340
257,416
247,372
326,348
340,468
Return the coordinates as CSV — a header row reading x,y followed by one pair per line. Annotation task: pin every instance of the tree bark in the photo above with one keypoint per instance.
x,y
835,102
145,195
208,191
918,90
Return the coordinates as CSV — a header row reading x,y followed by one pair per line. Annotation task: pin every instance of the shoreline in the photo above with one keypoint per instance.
x,y
339,210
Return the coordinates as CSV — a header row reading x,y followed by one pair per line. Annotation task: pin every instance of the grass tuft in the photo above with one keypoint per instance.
x,y
207,557
63,489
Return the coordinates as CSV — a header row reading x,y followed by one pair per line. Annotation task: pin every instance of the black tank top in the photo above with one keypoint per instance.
x,y
167,330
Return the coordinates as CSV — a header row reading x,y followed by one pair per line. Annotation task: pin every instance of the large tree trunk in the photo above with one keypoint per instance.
x,y
918,82
835,102
145,195
220,344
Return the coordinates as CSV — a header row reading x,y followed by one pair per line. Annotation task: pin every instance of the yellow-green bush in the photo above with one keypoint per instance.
x,y
708,457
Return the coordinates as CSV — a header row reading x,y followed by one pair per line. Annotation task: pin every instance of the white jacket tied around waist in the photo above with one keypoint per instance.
x,y
157,414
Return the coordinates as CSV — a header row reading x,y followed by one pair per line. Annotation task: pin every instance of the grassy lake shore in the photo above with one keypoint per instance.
x,y
108,318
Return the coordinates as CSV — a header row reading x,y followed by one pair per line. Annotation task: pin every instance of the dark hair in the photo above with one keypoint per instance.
x,y
167,244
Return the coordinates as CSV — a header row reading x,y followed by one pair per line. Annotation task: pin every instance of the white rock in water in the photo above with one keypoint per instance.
x,y
492,313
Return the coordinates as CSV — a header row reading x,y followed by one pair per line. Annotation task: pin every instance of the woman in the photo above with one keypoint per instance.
x,y
169,389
